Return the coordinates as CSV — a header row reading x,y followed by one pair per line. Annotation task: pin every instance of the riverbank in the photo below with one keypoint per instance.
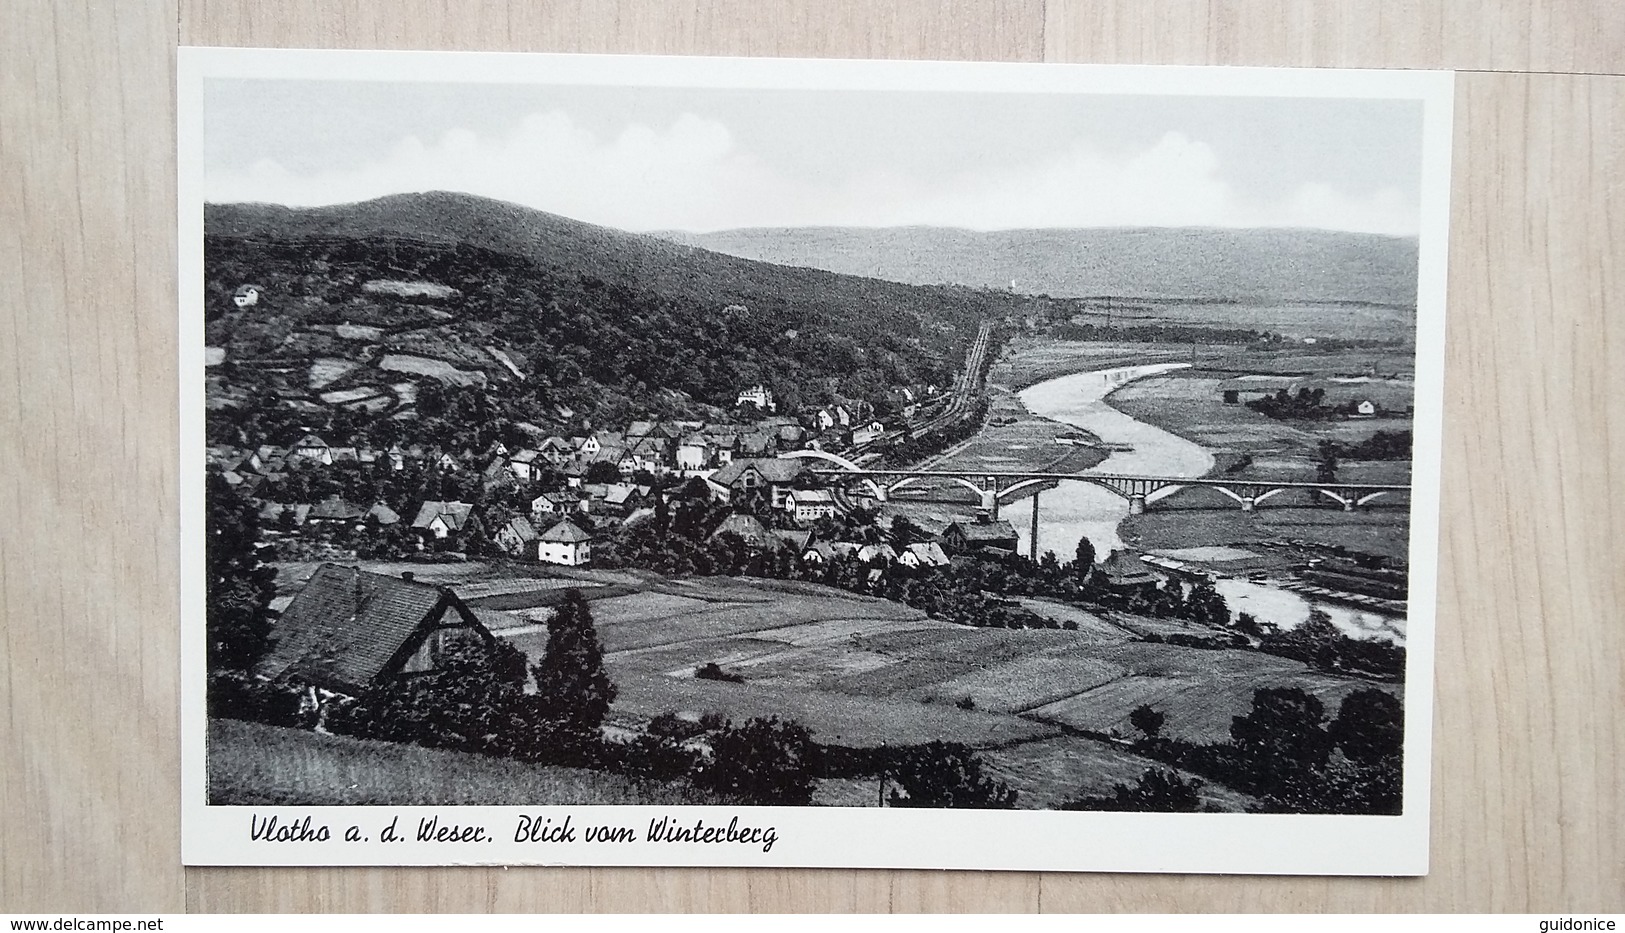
x,y
1013,439
1257,555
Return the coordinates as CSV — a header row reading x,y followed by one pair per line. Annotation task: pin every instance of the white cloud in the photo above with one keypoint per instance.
x,y
694,175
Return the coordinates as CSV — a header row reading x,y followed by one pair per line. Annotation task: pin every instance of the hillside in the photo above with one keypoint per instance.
x,y
1152,262
569,249
359,306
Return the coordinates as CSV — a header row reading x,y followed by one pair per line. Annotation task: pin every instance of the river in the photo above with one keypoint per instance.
x,y
1073,510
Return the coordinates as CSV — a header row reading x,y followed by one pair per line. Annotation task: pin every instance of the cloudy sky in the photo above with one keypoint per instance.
x,y
701,160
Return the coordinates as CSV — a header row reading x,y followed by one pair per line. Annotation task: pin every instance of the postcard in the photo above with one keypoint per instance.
x,y
617,460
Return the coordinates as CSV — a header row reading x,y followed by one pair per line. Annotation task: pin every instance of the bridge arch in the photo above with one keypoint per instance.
x,y
842,462
1009,493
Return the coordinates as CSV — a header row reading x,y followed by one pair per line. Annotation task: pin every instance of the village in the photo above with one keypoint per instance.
x,y
550,502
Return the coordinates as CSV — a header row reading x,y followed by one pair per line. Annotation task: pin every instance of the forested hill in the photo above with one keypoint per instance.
x,y
1270,265
560,246
586,320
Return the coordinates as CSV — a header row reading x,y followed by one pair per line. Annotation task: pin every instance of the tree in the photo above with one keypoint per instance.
x,y
1282,742
1158,791
1370,726
765,761
240,586
903,533
947,774
602,471
571,685
1084,559
1325,464
1148,721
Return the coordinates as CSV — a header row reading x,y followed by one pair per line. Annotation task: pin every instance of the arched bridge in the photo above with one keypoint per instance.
x,y
996,488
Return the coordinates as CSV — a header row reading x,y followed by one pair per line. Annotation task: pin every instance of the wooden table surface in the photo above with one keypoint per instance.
x,y
1531,634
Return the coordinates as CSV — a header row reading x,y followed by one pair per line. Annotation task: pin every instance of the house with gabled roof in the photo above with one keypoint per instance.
x,y
517,536
439,519
311,447
349,629
964,537
335,509
1125,570
526,464
772,476
924,554
552,502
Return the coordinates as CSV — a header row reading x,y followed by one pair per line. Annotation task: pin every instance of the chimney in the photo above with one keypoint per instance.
x,y
408,576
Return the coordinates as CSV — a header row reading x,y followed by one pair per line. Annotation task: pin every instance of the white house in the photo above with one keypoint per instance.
x,y
868,432
246,296
551,503
311,447
693,453
809,505
1366,409
758,395
564,543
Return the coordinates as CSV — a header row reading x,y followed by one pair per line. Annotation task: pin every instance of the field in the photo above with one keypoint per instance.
x,y
253,764
1318,320
1046,709
862,672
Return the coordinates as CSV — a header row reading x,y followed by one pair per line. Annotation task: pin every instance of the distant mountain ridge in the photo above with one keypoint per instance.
x,y
1143,262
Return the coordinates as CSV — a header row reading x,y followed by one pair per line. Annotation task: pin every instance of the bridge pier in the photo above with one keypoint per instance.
x,y
1136,504
1033,532
1248,503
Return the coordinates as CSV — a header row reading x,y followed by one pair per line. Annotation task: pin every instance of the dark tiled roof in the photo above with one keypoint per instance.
x,y
987,531
565,532
772,469
456,514
334,508
345,626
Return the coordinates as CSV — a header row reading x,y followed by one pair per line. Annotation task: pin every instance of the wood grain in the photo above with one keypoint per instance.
x,y
1529,726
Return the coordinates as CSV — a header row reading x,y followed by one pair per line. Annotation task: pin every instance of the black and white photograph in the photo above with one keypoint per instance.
x,y
617,460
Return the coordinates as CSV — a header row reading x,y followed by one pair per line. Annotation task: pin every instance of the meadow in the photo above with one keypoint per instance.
x,y
254,764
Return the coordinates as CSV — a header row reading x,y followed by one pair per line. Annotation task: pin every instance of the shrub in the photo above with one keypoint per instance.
x,y
711,671
1370,726
1282,744
765,761
1158,791
1148,721
947,774
236,695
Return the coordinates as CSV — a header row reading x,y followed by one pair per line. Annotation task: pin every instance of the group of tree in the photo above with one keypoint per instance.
x,y
1287,754
607,351
1306,404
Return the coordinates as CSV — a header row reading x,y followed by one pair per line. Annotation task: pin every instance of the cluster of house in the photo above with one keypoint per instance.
x,y
756,534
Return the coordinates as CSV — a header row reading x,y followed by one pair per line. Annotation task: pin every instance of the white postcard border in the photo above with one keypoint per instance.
x,y
811,836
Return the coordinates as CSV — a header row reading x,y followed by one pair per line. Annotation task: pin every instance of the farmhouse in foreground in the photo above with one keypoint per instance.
x,y
349,629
